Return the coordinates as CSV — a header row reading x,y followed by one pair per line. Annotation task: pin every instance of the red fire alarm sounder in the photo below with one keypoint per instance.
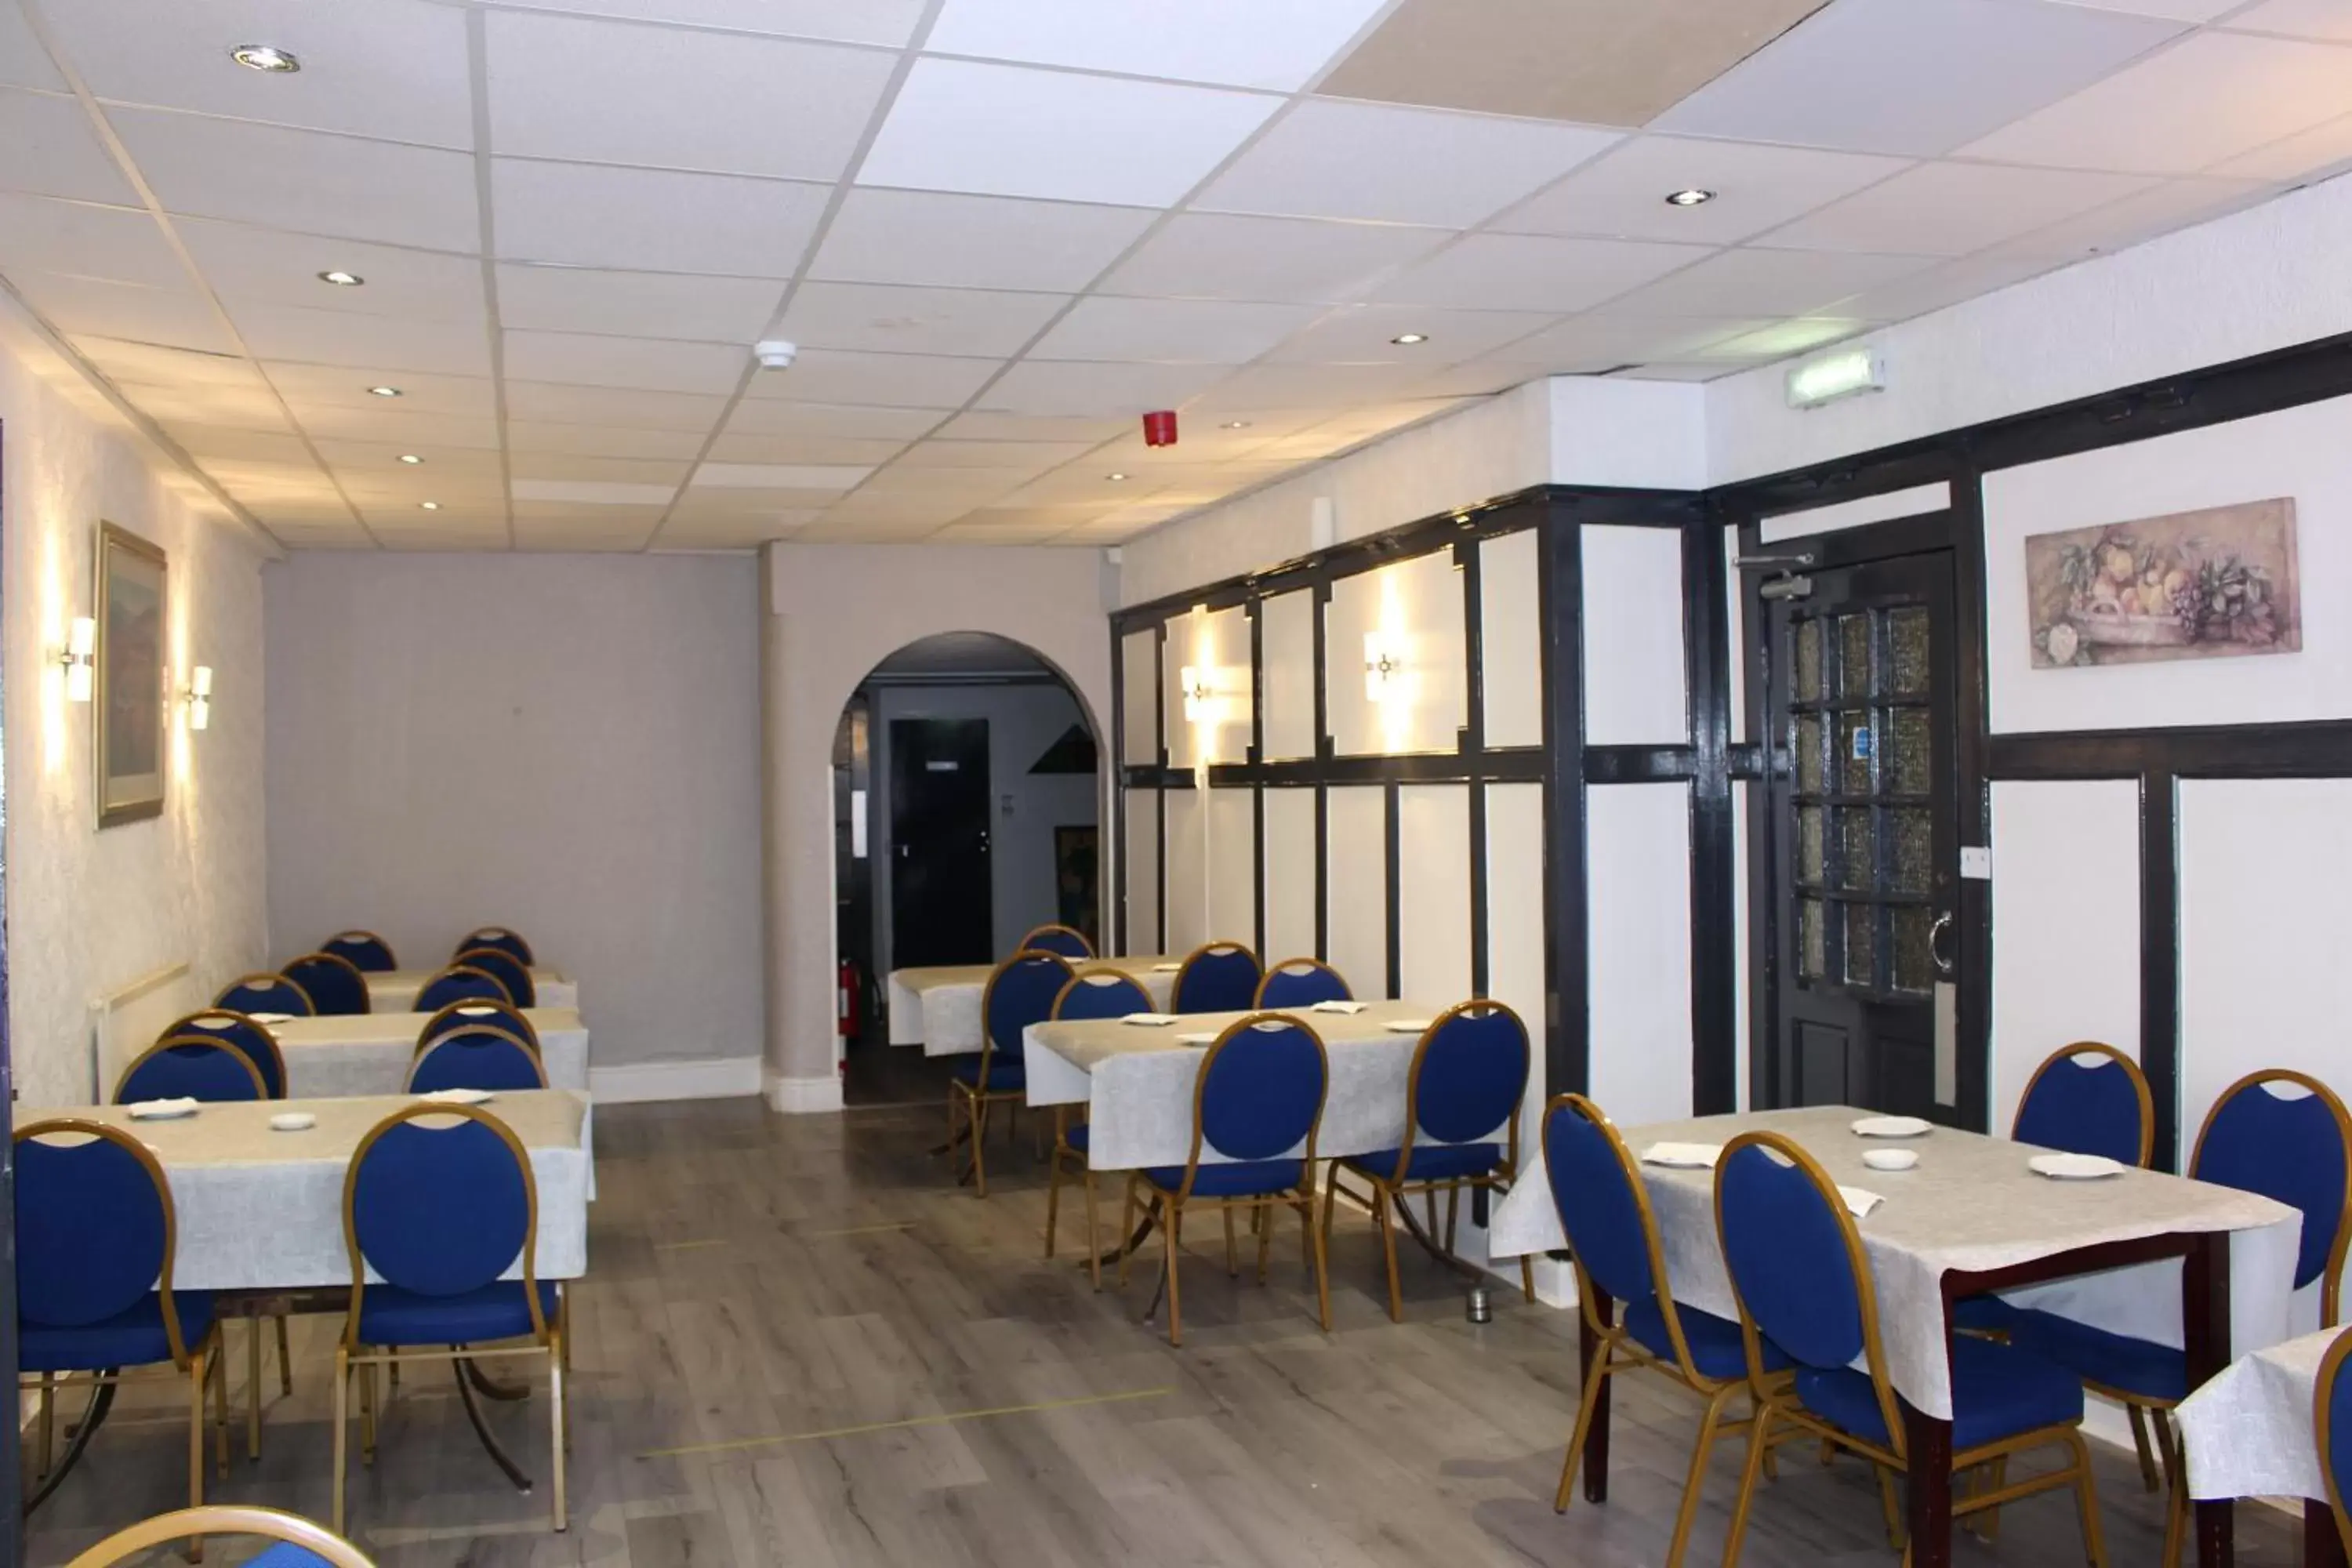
x,y
1159,429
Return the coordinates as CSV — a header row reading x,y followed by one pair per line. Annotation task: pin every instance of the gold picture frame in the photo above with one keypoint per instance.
x,y
127,719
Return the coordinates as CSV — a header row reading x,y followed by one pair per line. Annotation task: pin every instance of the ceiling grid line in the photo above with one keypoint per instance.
x,y
477,89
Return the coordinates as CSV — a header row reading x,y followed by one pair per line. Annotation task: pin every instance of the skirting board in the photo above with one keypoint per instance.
x,y
804,1096
690,1078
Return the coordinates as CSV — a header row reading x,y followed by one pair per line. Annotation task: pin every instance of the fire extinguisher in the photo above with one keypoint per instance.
x,y
847,1006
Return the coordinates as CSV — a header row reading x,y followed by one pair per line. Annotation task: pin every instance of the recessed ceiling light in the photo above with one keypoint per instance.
x,y
1114,475
342,279
1234,425
410,457
1691,197
264,58
430,505
1409,339
384,391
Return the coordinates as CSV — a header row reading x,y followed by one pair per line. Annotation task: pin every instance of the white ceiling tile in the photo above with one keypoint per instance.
x,y
274,266
731,533
2328,19
1751,282
2210,97
636,304
420,392
1783,337
175,407
1030,456
1527,272
1222,256
412,432
171,318
972,242
991,427
1201,332
779,476
126,362
886,320
1331,158
2178,10
2318,153
957,488
1703,371
2174,204
1623,194
1324,386
1947,284
878,380
23,61
573,532
1951,209
615,92
886,22
393,70
226,443
259,479
557,403
446,465
1479,378
1364,335
317,182
1233,43
52,151
1911,75
771,417
564,213
1055,387
532,437
1587,343
653,364
384,344
748,503
829,450
593,492
40,235
995,130
579,469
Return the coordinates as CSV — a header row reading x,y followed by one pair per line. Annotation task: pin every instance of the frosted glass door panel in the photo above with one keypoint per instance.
x,y
1515,912
1434,893
1143,871
1286,649
1634,675
1138,697
1510,638
1289,874
1412,612
1232,866
1188,872
1356,911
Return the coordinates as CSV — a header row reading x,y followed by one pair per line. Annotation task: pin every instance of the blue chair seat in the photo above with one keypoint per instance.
x,y
1714,1346
286,1554
1985,1315
1078,1137
391,1316
131,1338
1005,1076
1240,1179
2112,1361
1998,1391
1430,1162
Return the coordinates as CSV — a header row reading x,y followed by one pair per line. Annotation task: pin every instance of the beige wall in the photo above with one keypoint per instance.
x,y
834,611
90,912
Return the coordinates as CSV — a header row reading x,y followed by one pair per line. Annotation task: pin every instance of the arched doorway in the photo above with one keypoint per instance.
x,y
967,810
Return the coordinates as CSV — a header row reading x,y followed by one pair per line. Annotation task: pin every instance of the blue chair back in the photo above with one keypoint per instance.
x,y
367,952
1020,992
258,1045
475,1010
503,966
2295,1151
1790,1250
461,983
1469,1073
266,993
507,941
1219,978
477,1056
335,986
1597,1191
1101,994
94,1225
1261,1089
194,1067
1058,939
1302,983
440,1210
2088,1099
2331,1423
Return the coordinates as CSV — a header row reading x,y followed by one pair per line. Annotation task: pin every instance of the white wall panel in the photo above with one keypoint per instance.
x,y
1634,689
1510,637
1356,912
1215,649
1289,853
1188,870
1143,872
1415,608
1287,651
1138,697
1434,893
2065,925
1638,874
1741,1021
1232,866
1515,913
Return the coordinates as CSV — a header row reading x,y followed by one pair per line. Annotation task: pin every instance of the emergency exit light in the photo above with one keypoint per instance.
x,y
1830,376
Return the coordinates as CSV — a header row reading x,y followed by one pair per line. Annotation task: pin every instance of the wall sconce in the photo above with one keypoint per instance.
x,y
199,697
79,657
1383,667
1200,694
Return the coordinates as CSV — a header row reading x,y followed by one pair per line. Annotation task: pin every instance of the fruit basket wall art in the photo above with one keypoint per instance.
x,y
2216,582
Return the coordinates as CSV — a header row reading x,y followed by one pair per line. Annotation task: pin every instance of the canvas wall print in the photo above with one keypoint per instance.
x,y
130,677
2216,582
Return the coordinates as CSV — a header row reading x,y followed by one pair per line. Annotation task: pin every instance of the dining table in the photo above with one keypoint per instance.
x,y
394,990
368,1053
2250,1433
937,1006
2204,1268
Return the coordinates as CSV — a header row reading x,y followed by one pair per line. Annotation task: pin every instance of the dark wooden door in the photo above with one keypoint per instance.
x,y
1860,692
940,888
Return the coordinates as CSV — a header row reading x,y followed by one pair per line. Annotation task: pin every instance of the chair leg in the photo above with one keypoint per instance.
x,y
1261,1222
367,1413
1094,1247
198,1387
1759,1438
1331,1198
253,1389
1596,1371
2176,1501
342,1428
978,1111
2147,1476
220,1403
285,1360
1233,1260
1322,1259
48,1424
1453,1213
1171,1237
1528,1278
1696,1481
1053,1178
556,1425
1127,1228
2086,1501
1385,1222
1891,1505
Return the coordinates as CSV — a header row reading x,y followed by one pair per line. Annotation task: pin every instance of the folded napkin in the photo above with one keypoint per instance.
x,y
1150,1020
149,1109
1859,1201
1688,1155
1336,1007
1166,968
457,1096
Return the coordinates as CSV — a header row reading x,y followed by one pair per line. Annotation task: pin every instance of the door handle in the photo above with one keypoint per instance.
x,y
1936,942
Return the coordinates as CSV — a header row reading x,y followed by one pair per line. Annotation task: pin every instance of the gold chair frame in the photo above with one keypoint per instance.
x,y
1176,986
359,975
174,1042
974,1098
220,1519
358,935
1293,965
268,977
427,1048
1064,1152
197,1023
529,959
460,963
1065,931
2321,1428
442,973
455,1015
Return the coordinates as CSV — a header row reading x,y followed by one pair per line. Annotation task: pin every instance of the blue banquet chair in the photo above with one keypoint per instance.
x,y
1091,993
460,982
1021,991
439,1213
190,1067
233,1028
265,992
489,1010
1070,944
507,941
510,972
2331,1425
295,1542
96,1241
1798,1272
1468,1075
475,1056
367,952
1217,978
1302,983
1257,1107
336,986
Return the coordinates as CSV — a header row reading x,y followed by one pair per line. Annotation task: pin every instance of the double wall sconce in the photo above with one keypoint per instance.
x,y
79,657
199,697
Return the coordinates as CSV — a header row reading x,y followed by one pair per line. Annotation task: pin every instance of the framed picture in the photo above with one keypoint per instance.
x,y
130,677
2219,583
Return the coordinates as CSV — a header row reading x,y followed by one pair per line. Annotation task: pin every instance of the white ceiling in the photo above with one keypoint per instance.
x,y
1001,229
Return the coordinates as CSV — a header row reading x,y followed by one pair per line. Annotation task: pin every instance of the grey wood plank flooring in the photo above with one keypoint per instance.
x,y
801,1343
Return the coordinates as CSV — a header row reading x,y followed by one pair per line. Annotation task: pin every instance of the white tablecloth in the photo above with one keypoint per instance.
x,y
368,1053
394,990
2248,1432
1970,1205
937,1007
259,1209
1138,1081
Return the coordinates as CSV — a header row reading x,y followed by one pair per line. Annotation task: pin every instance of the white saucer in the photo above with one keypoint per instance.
x,y
292,1121
2075,1167
271,1017
1199,1037
162,1109
1406,1025
460,1096
1890,1159
1892,1127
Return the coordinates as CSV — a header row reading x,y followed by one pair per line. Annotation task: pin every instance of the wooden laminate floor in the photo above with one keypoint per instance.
x,y
799,1343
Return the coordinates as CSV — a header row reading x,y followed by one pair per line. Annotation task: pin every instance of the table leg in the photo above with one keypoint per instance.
x,y
1596,1311
2321,1546
1927,1449
2205,1338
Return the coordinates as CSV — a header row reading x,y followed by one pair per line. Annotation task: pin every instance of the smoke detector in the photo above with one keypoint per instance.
x,y
776,353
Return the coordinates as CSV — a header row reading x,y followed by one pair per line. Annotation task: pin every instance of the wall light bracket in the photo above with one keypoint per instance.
x,y
199,697
1383,667
79,657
